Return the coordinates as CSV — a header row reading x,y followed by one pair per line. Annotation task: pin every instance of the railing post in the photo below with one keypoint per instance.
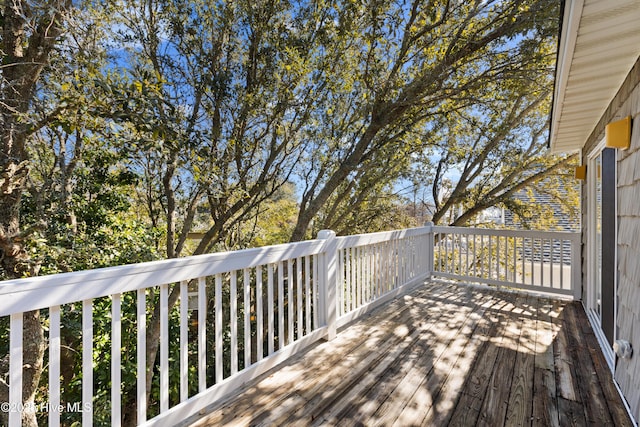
x,y
430,248
576,266
327,299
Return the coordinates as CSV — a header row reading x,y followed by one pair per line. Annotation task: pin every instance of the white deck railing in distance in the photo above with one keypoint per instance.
x,y
373,268
546,262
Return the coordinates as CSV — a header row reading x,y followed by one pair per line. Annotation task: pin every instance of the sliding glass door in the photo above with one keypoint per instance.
x,y
602,229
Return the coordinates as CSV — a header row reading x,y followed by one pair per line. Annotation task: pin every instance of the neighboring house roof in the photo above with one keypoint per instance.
x,y
564,220
599,44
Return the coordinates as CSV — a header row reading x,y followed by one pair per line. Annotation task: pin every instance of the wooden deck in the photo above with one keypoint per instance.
x,y
442,355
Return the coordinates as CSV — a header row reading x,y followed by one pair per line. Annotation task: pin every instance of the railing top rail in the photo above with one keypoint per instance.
x,y
535,234
372,238
45,291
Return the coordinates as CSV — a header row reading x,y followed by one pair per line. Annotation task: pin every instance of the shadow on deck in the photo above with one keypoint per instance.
x,y
441,355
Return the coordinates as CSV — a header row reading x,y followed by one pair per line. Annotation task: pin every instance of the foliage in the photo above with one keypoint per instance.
x,y
274,222
408,66
492,153
92,226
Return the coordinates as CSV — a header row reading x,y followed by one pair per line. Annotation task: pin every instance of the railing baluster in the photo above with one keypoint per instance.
x,y
340,283
552,252
184,340
141,321
460,254
315,290
363,278
299,296
54,365
307,295
290,302
259,316
498,261
562,264
541,262
164,347
87,363
350,275
516,246
523,253
447,246
116,355
347,276
466,250
506,258
390,266
451,255
474,256
281,335
15,369
378,269
359,280
532,258
374,271
270,315
482,257
246,286
437,239
357,283
354,279
365,274
399,268
218,332
370,272
490,258
233,318
366,289
384,270
202,334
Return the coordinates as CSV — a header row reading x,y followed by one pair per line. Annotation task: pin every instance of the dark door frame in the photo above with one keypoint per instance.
x,y
609,234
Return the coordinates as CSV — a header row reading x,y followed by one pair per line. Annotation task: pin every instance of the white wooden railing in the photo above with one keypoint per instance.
x,y
545,262
373,268
240,313
260,306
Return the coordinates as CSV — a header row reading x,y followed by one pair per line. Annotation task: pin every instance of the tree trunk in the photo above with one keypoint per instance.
x,y
29,34
308,212
14,261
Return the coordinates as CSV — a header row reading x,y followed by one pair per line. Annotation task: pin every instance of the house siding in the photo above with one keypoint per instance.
x,y
626,102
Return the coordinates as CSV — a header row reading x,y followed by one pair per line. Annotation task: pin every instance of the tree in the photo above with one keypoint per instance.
x,y
30,32
412,63
368,200
210,105
489,153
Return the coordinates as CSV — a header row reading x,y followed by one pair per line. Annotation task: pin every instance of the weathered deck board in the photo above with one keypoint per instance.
x,y
443,355
545,406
